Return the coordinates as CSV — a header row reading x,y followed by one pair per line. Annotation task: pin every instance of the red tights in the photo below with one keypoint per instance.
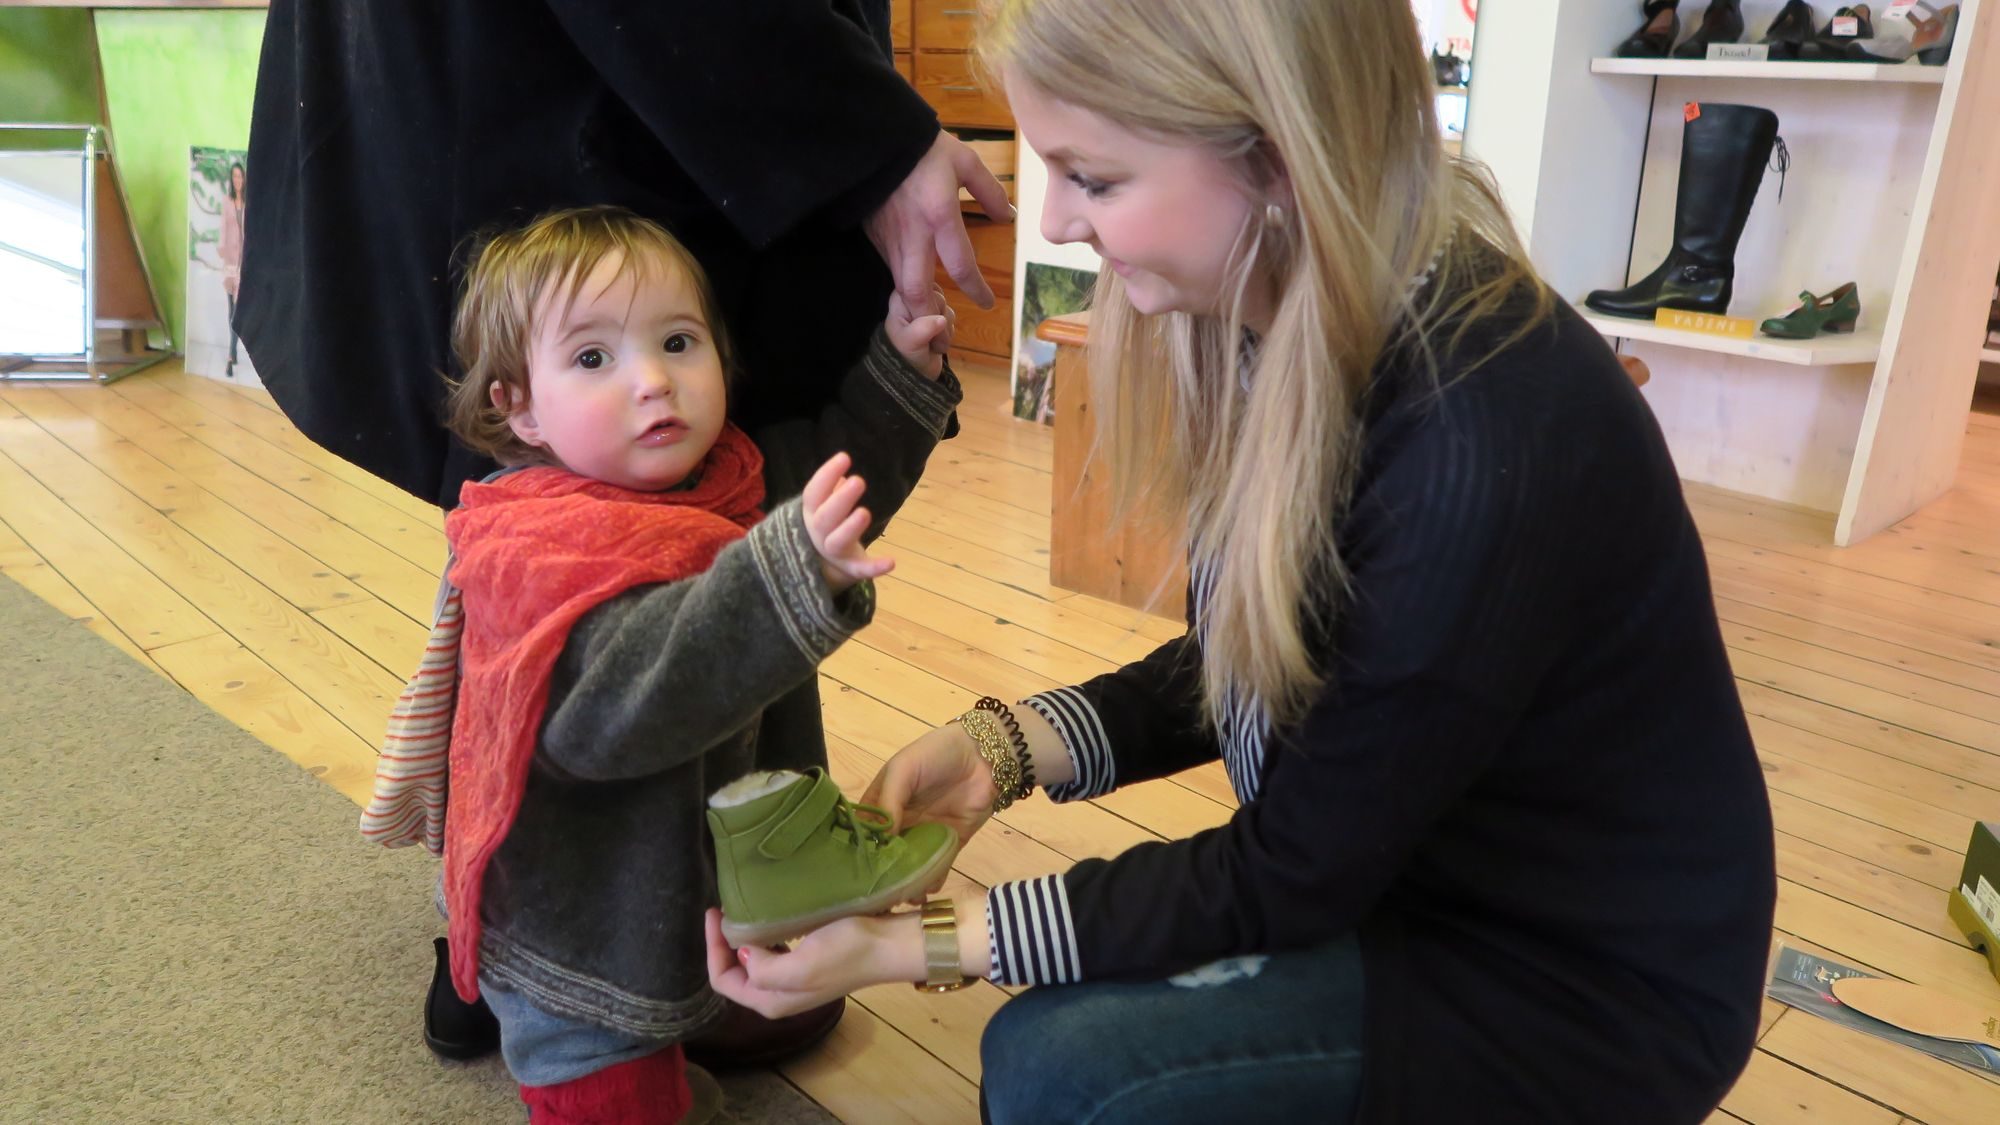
x,y
652,1090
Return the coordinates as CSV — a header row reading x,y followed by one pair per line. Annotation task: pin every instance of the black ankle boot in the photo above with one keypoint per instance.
x,y
1723,152
1828,47
1791,31
1656,36
1721,23
453,1028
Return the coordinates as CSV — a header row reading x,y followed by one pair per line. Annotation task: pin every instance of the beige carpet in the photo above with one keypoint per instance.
x,y
192,930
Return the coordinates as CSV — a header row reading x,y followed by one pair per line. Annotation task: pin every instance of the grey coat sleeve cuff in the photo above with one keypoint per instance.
x,y
929,402
815,619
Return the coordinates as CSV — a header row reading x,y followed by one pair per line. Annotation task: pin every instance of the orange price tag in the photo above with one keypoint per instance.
x,y
1690,111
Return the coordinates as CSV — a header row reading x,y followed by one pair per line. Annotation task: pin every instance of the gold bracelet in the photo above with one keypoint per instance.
x,y
943,971
999,754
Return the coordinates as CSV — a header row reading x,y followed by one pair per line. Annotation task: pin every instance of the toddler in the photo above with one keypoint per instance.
x,y
633,629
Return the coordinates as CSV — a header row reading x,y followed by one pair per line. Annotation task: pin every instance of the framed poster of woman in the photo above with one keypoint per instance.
x,y
217,188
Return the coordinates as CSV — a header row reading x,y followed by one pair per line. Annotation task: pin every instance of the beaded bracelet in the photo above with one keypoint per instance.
x,y
992,744
1020,741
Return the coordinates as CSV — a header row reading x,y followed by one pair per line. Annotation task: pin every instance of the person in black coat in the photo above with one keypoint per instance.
x,y
773,137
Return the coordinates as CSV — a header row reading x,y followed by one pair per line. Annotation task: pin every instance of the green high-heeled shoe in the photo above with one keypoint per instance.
x,y
1835,312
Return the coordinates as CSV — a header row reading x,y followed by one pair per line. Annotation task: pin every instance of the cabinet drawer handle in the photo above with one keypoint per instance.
x,y
960,89
959,13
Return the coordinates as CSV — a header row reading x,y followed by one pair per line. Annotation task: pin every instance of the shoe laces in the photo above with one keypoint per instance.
x,y
868,826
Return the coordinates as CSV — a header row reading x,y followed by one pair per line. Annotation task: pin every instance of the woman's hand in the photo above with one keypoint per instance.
x,y
939,777
834,960
835,523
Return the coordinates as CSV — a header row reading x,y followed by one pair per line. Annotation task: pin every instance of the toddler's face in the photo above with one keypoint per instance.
x,y
626,385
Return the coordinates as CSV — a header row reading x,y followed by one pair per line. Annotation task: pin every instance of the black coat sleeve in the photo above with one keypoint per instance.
x,y
781,110
887,419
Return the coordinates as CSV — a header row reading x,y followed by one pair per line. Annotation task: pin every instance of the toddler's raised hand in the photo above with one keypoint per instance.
x,y
835,525
922,340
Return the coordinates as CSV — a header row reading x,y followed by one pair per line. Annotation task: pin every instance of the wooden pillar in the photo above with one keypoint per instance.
x,y
1140,562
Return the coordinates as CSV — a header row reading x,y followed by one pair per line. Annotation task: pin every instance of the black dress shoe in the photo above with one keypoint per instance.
x,y
1655,37
1791,31
1721,23
1829,47
454,1029
743,1038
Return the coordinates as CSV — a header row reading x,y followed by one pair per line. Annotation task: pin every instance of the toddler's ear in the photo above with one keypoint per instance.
x,y
512,402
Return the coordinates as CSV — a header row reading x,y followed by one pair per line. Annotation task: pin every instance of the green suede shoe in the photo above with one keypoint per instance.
x,y
791,855
1835,312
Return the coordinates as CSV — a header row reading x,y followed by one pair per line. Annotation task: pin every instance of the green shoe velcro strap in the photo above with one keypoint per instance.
x,y
799,823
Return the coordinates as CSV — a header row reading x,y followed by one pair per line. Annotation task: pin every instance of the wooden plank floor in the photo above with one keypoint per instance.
x,y
186,522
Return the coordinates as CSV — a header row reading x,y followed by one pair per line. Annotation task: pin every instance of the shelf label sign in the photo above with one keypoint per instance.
x,y
1707,324
1739,52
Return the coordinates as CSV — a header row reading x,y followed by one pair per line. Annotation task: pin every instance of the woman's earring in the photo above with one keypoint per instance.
x,y
1274,215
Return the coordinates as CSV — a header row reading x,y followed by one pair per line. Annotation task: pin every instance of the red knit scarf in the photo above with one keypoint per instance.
x,y
536,550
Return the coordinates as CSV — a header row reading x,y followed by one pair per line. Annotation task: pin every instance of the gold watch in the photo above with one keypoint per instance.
x,y
942,969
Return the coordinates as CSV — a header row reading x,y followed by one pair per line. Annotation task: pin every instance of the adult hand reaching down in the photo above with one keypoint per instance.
x,y
921,225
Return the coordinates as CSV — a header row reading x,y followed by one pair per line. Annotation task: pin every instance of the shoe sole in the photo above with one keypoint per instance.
x,y
452,1051
740,934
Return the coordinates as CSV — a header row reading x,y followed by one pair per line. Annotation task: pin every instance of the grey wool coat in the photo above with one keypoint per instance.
x,y
593,904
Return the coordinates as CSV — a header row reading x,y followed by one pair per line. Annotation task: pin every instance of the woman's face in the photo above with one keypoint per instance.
x,y
236,179
1163,216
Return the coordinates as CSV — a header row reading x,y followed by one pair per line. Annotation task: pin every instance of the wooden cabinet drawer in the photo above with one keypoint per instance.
x,y
946,82
906,68
998,157
986,330
946,25
993,249
899,25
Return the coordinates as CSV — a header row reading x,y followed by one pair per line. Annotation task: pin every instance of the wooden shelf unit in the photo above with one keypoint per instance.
x,y
1912,72
933,40
1889,187
1847,347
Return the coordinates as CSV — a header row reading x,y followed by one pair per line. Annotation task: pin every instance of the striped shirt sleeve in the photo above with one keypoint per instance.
x,y
1076,723
1029,933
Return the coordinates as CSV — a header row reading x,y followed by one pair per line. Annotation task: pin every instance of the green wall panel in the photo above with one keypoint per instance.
x,y
48,69
171,80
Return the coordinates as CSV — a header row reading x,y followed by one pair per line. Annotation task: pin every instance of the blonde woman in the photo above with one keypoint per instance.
x,y
1504,851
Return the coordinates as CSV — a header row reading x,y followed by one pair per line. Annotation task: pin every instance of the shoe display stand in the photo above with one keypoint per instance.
x,y
1894,184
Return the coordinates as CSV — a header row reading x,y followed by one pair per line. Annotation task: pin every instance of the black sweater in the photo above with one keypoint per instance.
x,y
1529,785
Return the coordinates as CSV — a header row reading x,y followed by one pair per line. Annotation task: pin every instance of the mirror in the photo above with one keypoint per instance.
x,y
1446,27
75,299
44,311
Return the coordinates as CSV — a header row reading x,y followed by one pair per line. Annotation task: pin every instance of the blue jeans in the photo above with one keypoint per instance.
x,y
1268,1038
543,1049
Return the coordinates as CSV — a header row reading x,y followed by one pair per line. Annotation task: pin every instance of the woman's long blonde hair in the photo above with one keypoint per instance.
x,y
1337,96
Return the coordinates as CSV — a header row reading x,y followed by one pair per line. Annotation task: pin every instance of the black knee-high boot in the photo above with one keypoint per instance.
x,y
1724,149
